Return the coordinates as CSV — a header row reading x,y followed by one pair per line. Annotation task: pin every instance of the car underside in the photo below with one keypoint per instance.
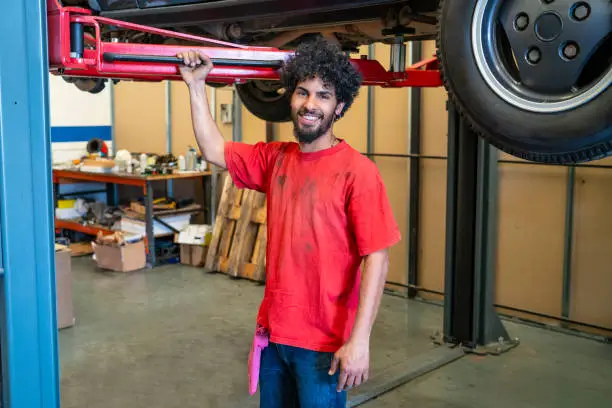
x,y
533,77
277,23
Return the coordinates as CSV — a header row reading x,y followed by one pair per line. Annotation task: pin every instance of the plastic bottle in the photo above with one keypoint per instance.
x,y
181,163
143,162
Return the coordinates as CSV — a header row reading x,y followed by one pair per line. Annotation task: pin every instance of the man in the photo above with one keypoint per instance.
x,y
328,213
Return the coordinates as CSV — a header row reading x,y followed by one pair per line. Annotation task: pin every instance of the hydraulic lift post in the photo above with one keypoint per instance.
x,y
28,324
470,319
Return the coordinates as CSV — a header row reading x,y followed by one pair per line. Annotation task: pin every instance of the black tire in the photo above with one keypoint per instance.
x,y
265,100
91,85
580,134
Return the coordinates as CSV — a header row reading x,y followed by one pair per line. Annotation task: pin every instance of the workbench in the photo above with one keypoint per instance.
x,y
67,176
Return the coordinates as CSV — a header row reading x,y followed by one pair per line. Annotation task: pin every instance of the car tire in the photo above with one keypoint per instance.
x,y
578,133
265,100
90,85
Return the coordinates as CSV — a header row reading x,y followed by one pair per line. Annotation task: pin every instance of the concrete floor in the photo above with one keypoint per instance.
x,y
176,337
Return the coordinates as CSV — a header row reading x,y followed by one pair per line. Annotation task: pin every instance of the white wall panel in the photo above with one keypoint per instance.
x,y
70,106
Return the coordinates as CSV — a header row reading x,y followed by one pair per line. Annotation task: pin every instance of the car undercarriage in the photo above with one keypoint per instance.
x,y
279,24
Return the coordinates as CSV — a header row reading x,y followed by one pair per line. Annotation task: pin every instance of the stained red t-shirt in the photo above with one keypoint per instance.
x,y
326,210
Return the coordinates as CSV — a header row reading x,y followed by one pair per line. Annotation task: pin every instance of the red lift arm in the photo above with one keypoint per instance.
x,y
73,52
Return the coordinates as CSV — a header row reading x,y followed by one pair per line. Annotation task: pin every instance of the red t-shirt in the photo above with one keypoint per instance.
x,y
326,210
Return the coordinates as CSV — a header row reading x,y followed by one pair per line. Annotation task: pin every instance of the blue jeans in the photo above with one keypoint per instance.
x,y
292,377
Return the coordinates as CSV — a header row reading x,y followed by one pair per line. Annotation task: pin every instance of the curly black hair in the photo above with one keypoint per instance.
x,y
325,60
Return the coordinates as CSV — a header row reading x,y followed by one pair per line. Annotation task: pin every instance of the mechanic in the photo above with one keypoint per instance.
x,y
328,212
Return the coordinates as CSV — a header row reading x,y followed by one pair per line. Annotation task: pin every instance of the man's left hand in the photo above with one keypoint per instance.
x,y
353,359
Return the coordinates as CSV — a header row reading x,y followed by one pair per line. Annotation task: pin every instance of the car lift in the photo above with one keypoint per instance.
x,y
28,335
73,52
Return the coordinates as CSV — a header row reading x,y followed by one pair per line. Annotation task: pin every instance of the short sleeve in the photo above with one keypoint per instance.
x,y
248,164
370,214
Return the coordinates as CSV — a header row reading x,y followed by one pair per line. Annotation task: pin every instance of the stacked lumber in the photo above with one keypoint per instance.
x,y
239,237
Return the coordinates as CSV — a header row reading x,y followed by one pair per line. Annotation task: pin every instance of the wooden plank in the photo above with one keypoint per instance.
x,y
211,263
241,233
227,235
246,231
238,244
256,269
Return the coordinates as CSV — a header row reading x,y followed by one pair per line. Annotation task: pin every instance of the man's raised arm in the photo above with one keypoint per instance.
x,y
210,140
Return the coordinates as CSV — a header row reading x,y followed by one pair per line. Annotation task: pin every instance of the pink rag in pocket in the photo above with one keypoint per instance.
x,y
260,342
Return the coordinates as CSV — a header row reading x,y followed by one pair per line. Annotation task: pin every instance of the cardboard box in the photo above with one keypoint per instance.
x,y
63,286
194,234
194,255
125,258
194,240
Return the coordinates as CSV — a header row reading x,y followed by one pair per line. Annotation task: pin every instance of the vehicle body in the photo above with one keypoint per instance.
x,y
531,76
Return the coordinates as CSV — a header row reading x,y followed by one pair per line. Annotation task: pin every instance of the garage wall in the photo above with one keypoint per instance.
x,y
591,277
531,236
182,130
531,245
531,227
434,132
140,117
76,117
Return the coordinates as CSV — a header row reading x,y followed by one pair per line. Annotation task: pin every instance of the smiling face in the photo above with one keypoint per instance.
x,y
313,110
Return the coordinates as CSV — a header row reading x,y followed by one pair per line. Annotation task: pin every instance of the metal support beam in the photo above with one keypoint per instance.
x,y
149,227
414,209
115,187
271,132
398,55
111,90
237,120
28,323
470,318
168,96
569,242
370,107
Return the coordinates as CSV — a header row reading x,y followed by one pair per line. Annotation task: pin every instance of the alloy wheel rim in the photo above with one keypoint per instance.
x,y
505,33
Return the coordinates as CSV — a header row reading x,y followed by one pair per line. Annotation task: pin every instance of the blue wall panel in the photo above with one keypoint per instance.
x,y
80,133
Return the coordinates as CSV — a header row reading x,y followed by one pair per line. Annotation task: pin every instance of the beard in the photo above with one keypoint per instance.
x,y
311,133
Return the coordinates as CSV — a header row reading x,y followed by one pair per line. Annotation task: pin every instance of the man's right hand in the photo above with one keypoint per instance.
x,y
196,67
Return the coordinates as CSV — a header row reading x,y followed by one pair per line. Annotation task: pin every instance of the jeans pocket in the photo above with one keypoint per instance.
x,y
323,361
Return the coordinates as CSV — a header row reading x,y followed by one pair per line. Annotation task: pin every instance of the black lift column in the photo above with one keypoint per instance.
x,y
471,217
